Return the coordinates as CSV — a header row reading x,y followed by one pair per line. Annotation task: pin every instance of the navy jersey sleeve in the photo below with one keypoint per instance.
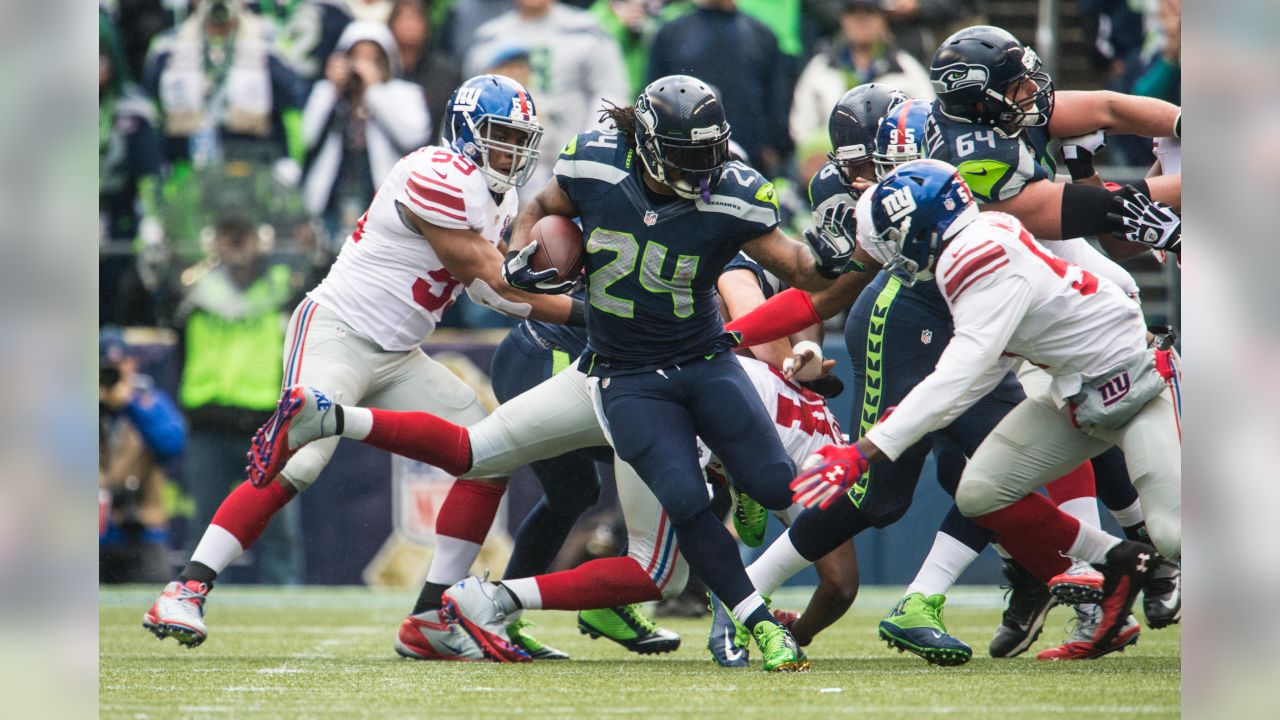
x,y
743,203
769,283
592,163
827,189
995,166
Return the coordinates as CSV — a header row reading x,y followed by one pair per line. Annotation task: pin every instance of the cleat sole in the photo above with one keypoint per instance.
x,y
1070,594
945,657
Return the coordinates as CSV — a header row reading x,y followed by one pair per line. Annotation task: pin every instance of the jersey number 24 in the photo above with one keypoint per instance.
x,y
626,253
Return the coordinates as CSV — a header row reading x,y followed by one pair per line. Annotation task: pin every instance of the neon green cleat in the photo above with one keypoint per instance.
x,y
779,649
915,625
628,627
750,519
518,633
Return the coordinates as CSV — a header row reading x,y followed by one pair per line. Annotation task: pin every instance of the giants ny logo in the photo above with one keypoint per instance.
x,y
1114,390
466,98
899,204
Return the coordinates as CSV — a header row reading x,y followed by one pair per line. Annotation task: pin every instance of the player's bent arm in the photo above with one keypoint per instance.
x,y
477,264
1115,246
741,293
1083,111
846,289
1056,211
791,261
552,200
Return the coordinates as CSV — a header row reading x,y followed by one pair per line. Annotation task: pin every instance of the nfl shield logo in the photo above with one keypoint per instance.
x,y
949,204
926,336
650,217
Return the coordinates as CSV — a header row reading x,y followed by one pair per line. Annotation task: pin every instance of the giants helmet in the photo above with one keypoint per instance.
x,y
901,136
975,71
477,107
852,126
915,210
682,136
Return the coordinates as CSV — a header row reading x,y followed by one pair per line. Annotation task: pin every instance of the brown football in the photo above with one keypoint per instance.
x,y
559,246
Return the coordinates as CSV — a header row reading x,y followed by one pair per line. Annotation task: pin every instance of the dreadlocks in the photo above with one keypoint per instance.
x,y
623,119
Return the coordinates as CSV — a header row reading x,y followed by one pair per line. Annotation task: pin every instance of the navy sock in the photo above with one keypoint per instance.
x,y
538,541
429,598
198,572
973,535
713,555
817,532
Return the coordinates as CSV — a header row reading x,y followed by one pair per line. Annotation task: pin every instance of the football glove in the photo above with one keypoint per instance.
x,y
518,274
830,473
834,241
1143,220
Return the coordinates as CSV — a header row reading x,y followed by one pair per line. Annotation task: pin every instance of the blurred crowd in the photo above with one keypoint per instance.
x,y
240,140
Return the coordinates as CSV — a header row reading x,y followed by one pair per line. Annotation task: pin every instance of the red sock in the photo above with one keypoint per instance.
x,y
603,583
247,510
1078,483
422,436
1035,532
468,510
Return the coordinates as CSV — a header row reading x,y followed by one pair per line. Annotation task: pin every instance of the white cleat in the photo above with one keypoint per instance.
x,y
179,613
430,636
303,414
472,605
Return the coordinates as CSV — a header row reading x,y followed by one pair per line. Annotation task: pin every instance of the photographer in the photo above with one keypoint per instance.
x,y
360,119
139,428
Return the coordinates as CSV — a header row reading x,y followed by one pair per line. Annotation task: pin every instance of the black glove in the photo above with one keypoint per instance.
x,y
834,241
520,276
1143,220
1078,153
828,386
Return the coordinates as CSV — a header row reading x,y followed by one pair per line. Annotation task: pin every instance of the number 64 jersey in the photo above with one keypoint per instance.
x,y
387,282
1011,298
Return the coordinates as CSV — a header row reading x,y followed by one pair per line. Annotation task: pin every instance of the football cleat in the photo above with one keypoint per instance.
x,y
302,415
518,633
728,639
780,651
1127,569
628,627
1079,644
1081,583
1029,605
179,613
1162,597
915,625
430,636
471,604
750,519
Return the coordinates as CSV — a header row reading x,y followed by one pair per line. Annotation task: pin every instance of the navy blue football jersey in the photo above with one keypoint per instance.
x,y
652,261
770,284
995,166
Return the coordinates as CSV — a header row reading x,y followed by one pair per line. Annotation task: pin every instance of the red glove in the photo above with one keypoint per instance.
x,y
832,471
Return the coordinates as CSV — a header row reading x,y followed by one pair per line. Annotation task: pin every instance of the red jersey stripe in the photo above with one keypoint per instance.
x,y
978,277
434,181
986,258
956,263
437,210
452,202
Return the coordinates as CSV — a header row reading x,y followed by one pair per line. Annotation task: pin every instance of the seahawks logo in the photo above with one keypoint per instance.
x,y
960,75
645,113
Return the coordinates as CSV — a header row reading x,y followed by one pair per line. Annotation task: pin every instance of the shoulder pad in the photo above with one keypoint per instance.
x,y
826,184
743,192
596,155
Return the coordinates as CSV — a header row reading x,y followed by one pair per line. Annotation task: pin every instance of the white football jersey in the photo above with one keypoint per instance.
x,y
387,282
804,421
1011,298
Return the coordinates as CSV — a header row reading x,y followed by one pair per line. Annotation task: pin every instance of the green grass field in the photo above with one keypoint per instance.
x,y
326,652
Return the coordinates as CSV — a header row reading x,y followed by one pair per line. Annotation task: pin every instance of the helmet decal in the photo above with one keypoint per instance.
x,y
960,75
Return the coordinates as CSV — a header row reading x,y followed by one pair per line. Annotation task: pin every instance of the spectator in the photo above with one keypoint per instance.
x,y
360,119
739,56
464,18
437,73
305,33
233,313
1114,34
632,26
1163,77
129,161
864,52
374,11
921,25
139,429
574,65
138,22
224,93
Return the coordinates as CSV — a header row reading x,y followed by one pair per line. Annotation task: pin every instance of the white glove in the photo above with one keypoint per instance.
x,y
1089,143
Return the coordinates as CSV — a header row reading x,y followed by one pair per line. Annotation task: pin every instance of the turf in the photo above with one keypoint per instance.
x,y
326,653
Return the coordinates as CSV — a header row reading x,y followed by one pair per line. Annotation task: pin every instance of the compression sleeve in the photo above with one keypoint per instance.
x,y
1085,208
782,315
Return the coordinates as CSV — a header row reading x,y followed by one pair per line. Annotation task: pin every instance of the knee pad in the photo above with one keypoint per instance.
x,y
1166,534
976,497
771,486
305,466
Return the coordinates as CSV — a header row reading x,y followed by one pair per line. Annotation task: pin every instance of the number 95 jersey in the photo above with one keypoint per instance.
x,y
387,282
653,260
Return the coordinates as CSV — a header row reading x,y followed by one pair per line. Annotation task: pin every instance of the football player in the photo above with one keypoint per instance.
x,y
1011,298
356,336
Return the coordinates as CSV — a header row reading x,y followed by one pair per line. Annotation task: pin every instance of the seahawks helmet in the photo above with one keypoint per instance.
x,y
682,136
975,71
852,126
901,136
480,105
915,210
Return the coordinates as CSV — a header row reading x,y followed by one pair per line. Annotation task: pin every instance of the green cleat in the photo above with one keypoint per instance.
x,y
750,519
779,649
628,627
915,625
518,634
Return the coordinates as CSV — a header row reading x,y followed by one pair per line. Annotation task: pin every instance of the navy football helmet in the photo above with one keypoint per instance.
x,y
480,106
682,136
915,210
978,74
902,135
852,126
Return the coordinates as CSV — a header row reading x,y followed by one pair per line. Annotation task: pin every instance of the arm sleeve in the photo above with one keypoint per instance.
x,y
159,422
782,315
985,317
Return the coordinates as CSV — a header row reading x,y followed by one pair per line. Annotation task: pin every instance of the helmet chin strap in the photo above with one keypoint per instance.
x,y
705,186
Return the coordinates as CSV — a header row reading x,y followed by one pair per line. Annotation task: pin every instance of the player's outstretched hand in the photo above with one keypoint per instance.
x,y
1143,220
828,474
519,275
834,240
806,363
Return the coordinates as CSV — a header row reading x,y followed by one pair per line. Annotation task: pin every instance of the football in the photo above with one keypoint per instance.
x,y
559,246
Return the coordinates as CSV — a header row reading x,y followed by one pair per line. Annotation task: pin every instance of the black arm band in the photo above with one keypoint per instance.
x,y
1081,166
1085,208
577,314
